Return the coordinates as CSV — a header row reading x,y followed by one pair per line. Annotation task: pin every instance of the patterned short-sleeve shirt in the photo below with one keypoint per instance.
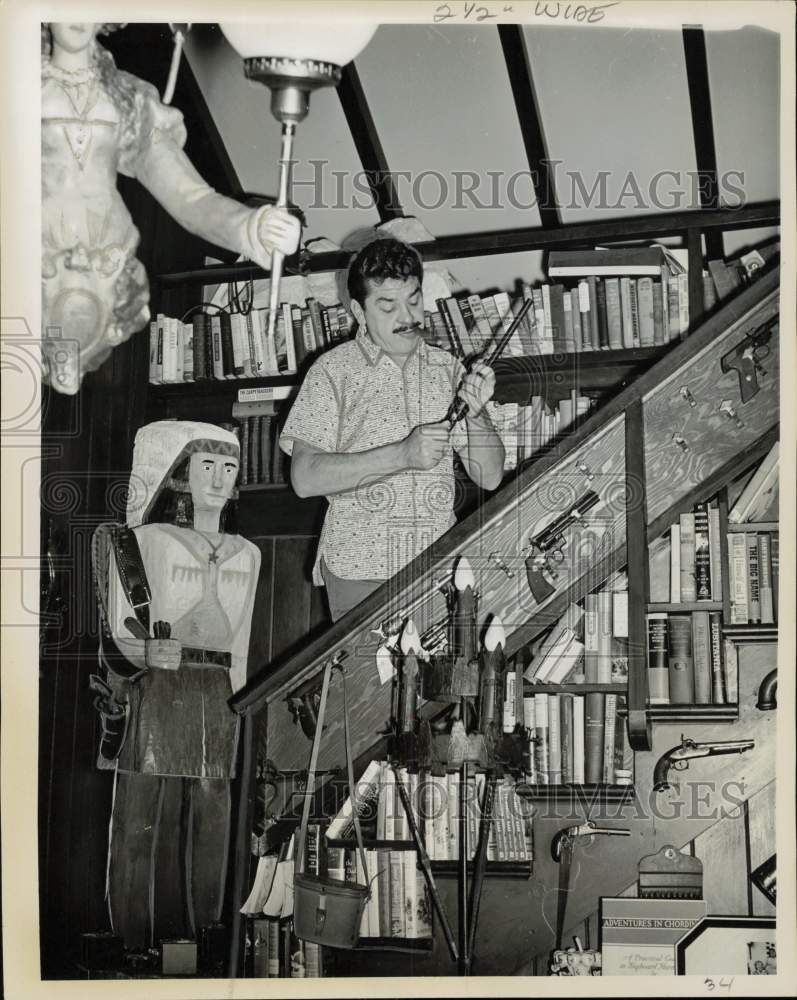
x,y
354,398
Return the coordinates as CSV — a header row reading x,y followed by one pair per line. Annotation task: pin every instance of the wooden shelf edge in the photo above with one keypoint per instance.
x,y
594,794
694,713
685,608
751,633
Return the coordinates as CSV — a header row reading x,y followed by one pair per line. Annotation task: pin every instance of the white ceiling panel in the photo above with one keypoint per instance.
x,y
443,109
614,101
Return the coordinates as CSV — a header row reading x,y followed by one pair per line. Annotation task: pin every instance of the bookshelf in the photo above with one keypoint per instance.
x,y
637,378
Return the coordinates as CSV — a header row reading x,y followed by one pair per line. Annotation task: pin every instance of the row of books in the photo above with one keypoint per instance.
x,y
587,645
436,803
686,661
597,314
278,953
695,556
399,905
262,461
527,429
753,564
577,739
234,345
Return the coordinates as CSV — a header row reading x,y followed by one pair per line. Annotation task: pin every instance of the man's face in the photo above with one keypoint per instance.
x,y
211,479
392,313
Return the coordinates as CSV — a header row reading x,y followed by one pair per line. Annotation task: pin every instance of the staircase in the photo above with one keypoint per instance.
x,y
660,444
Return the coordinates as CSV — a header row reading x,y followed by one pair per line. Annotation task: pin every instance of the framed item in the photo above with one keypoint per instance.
x,y
765,878
728,946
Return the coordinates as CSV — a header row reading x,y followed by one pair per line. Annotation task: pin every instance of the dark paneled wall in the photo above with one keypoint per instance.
x,y
86,448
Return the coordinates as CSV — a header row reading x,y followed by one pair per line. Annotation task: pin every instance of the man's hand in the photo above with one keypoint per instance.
x,y
477,388
163,654
425,446
277,229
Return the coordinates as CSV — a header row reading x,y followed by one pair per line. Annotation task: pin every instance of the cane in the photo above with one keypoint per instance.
x,y
426,867
277,257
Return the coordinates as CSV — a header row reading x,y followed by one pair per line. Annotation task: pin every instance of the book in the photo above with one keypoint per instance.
x,y
591,641
365,797
614,320
557,311
774,559
753,592
603,321
638,936
759,498
719,693
575,313
585,315
216,360
635,336
609,735
675,563
594,709
737,577
702,554
715,553
227,353
658,658
199,367
701,653
541,746
604,605
625,312
681,660
579,740
687,575
606,261
566,738
645,301
765,579
673,307
554,742
658,315
683,304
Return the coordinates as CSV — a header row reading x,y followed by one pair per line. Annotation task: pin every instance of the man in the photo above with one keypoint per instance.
x,y
367,431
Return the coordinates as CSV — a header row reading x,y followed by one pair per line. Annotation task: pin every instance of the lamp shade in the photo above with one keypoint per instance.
x,y
332,42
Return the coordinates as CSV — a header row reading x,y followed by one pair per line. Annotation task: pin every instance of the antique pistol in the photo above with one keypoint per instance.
x,y
679,757
566,836
549,545
303,702
745,358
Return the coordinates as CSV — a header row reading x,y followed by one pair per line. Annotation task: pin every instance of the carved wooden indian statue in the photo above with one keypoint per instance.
x,y
171,807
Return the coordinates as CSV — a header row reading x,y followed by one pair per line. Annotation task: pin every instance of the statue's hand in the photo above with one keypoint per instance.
x,y
163,654
277,229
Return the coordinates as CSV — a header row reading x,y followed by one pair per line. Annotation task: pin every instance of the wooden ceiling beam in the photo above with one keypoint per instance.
x,y
702,128
518,67
369,148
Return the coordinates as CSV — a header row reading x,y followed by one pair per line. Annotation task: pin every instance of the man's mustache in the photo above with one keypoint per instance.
x,y
408,329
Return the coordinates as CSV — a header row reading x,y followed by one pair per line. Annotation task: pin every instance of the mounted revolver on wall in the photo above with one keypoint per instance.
x,y
547,547
745,359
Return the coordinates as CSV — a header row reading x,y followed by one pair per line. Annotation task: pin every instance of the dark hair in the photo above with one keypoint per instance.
x,y
381,259
174,505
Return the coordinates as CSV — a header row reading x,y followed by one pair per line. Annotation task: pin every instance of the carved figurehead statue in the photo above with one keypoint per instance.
x,y
179,749
97,120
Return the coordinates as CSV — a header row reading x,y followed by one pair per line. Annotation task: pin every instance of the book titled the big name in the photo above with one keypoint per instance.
x,y
638,936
